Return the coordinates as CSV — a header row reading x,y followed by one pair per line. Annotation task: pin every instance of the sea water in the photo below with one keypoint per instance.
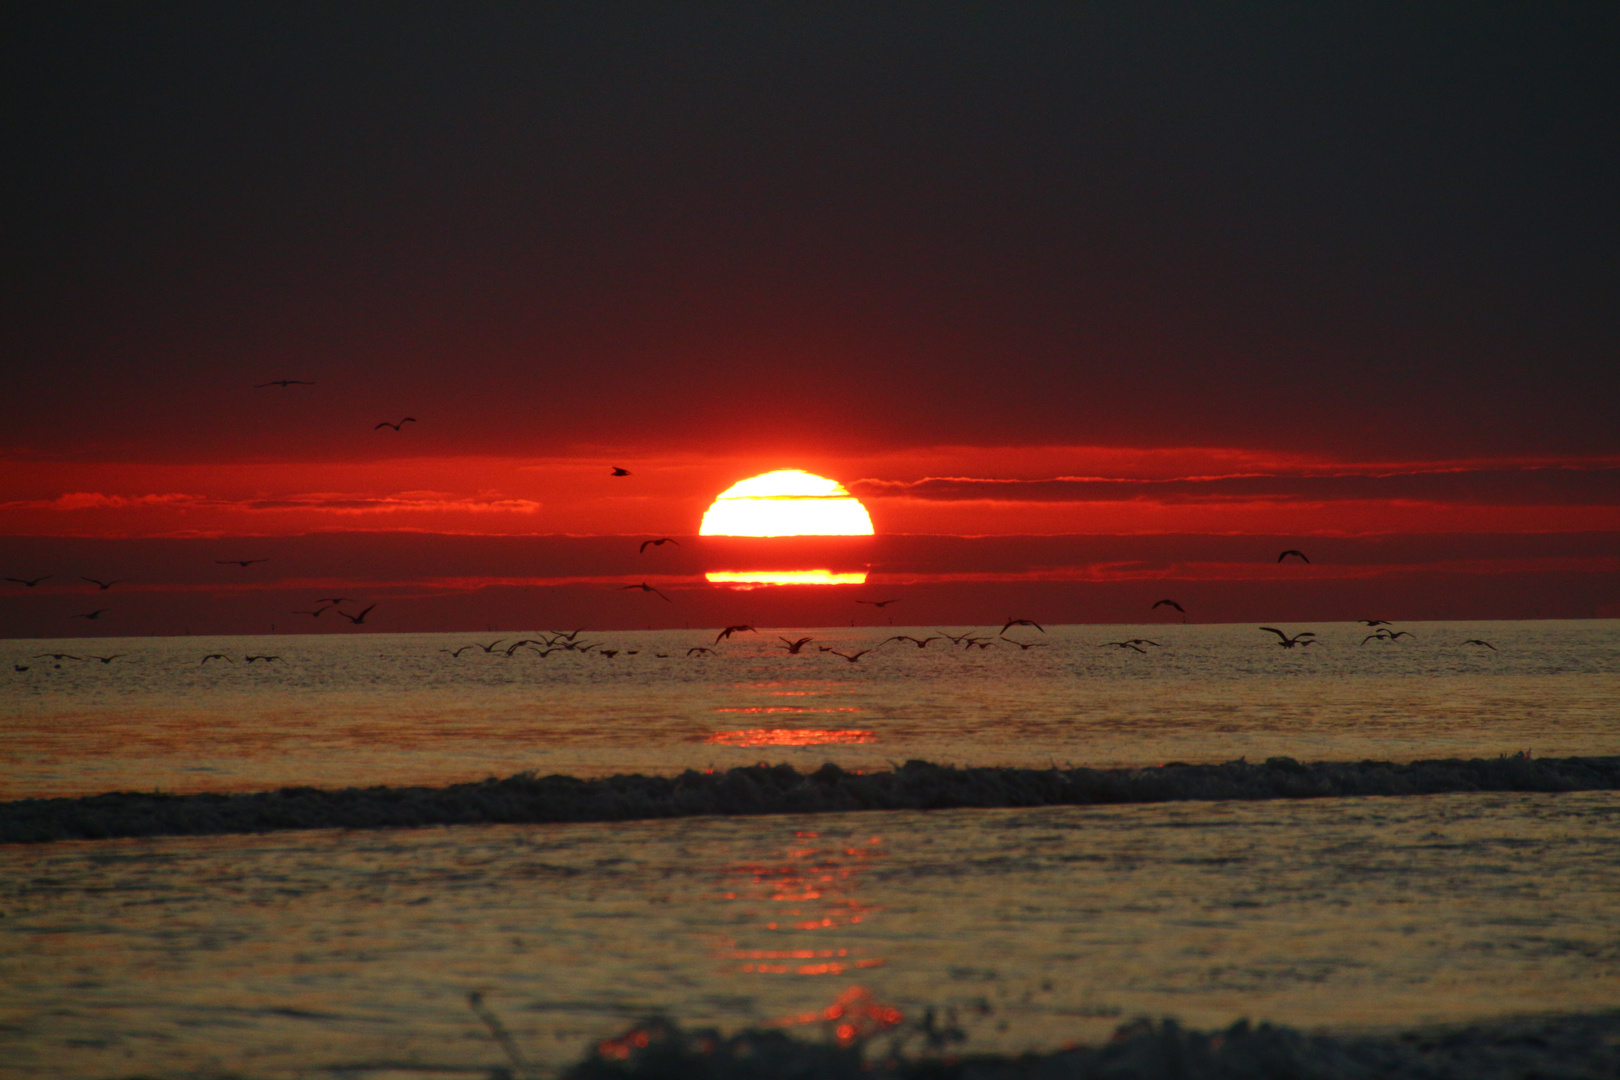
x,y
352,952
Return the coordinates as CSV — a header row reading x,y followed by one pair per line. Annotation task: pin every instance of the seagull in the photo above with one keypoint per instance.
x,y
1480,641
728,631
660,542
357,619
570,636
619,472
57,656
317,612
1375,622
336,600
793,647
487,648
282,383
106,659
1381,635
954,639
96,614
454,652
1121,645
243,563
1012,622
851,657
878,603
704,649
1026,644
921,643
609,653
1394,634
102,585
25,581
218,656
396,427
260,656
644,587
516,645
1144,641
1292,551
1168,603
1289,642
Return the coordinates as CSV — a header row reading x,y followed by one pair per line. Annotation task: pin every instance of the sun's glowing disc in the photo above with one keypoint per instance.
x,y
751,578
788,502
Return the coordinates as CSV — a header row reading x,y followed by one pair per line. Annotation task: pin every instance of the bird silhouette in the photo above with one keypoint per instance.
x,y
28,583
57,656
1481,641
1397,634
1121,645
217,656
1026,644
954,639
356,619
644,587
396,427
570,636
336,600
1292,551
851,657
282,383
318,612
921,643
879,603
704,649
1145,641
619,472
261,656
1012,622
793,647
728,631
457,652
96,614
106,659
660,542
102,585
1379,635
1287,642
1168,603
1375,622
243,563
609,653
487,648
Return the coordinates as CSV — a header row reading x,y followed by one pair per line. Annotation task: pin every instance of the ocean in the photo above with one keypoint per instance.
x,y
310,953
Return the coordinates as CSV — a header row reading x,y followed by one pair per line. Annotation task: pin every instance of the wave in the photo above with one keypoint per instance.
x,y
777,789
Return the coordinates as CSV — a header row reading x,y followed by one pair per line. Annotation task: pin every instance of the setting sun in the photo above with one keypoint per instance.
x,y
788,502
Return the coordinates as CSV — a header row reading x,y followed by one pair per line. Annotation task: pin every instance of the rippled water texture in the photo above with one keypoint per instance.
x,y
399,709
286,954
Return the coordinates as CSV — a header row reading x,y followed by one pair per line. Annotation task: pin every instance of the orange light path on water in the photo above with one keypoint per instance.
x,y
790,737
750,578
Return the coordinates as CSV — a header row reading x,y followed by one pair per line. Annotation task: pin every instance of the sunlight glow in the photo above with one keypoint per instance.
x,y
788,502
749,579
790,737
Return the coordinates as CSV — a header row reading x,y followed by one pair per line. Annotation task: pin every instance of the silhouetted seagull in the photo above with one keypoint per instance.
x,y
793,647
851,657
1379,635
1292,551
1393,634
704,649
336,600
1287,642
644,587
1121,645
217,656
660,542
1025,644
317,612
1375,622
30,584
1012,622
1480,641
1168,603
457,652
243,563
57,656
487,648
96,614
879,603
396,427
106,659
609,653
954,639
356,619
1145,641
282,383
261,656
728,631
921,643
619,472
570,636
102,585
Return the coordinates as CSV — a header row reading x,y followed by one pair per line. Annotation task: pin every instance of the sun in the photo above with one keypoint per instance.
x,y
788,502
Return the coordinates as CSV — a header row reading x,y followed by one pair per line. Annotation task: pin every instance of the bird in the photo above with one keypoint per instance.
x,y
282,383
921,643
728,631
1375,622
1121,645
243,563
1145,641
1481,641
1012,622
1292,551
570,636
26,582
396,427
337,600
1379,635
879,603
356,619
487,648
318,612
793,647
851,657
261,656
609,653
1168,603
644,587
102,585
516,645
954,639
19,667
704,649
619,472
1393,634
1026,644
1287,642
106,659
96,614
218,656
57,656
660,542
457,652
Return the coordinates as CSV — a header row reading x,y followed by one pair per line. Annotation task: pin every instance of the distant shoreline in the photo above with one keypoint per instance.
x,y
780,789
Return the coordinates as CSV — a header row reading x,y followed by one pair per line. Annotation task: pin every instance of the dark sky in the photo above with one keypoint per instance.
x,y
1355,229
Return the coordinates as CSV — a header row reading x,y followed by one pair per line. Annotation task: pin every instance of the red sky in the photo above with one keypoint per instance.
x,y
1087,307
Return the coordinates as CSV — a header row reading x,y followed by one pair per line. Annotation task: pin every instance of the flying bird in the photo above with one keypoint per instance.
x,y
570,636
1380,635
243,563
456,652
728,631
1026,645
217,656
644,587
1481,641
793,647
261,656
660,542
336,600
1394,634
619,472
57,656
106,659
879,603
102,585
29,584
954,639
1292,551
1121,645
609,653
1168,603
317,612
921,643
1145,641
396,427
851,657
356,619
704,649
96,614
282,382
1287,642
1375,622
1012,622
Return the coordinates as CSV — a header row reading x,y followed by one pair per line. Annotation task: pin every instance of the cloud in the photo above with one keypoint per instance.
x,y
322,502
